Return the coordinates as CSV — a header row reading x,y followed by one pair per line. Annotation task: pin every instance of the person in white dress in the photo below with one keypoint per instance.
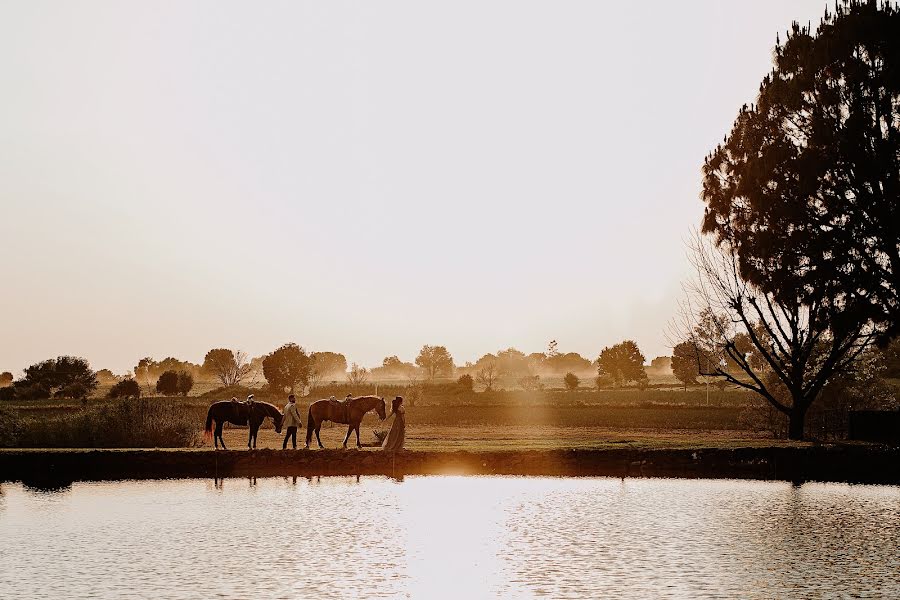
x,y
397,435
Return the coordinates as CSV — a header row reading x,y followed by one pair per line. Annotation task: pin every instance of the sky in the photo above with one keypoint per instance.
x,y
359,177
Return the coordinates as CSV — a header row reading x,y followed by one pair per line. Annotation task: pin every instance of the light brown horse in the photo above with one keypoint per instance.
x,y
241,413
349,412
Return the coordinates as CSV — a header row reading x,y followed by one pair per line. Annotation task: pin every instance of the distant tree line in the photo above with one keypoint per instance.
x,y
292,369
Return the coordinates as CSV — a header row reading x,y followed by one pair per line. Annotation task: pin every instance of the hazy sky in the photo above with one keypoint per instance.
x,y
361,177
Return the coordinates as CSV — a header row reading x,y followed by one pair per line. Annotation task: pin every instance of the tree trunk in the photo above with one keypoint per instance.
x,y
797,420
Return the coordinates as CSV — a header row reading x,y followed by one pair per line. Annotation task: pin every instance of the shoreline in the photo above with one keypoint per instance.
x,y
845,463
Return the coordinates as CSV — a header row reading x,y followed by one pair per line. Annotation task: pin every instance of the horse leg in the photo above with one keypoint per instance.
x,y
218,434
347,437
358,445
318,427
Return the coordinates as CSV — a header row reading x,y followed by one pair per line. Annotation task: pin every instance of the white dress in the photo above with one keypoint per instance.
x,y
397,434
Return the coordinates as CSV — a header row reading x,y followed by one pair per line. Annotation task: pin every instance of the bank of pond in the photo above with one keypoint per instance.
x,y
853,463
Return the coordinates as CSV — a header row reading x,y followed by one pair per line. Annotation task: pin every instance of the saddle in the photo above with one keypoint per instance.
x,y
341,410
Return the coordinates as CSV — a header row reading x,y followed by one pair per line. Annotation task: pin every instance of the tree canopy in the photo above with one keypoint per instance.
x,y
685,363
287,367
329,364
228,366
802,205
805,188
127,388
622,363
66,376
436,361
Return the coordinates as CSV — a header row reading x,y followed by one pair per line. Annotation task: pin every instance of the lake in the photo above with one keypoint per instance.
x,y
449,537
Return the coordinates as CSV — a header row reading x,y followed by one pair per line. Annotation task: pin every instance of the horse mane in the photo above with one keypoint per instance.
x,y
271,407
370,397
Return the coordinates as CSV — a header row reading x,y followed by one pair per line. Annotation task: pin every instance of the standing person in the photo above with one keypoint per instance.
x,y
291,421
397,434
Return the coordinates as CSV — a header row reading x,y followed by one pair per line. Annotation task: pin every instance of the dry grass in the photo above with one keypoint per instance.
x,y
503,420
141,423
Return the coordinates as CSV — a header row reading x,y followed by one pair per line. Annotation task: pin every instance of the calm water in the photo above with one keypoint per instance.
x,y
450,537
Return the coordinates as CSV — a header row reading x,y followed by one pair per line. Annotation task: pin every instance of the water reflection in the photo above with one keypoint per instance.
x,y
436,537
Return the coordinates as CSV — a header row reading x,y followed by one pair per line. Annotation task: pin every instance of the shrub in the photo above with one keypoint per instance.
x,y
31,391
127,388
76,390
139,423
185,382
10,428
61,373
7,394
571,380
465,383
167,384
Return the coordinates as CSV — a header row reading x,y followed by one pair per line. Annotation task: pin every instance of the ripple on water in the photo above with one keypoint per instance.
x,y
460,537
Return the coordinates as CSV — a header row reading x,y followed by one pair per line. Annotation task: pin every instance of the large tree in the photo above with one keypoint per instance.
x,y
802,202
228,366
685,363
784,349
622,363
66,376
806,187
6,378
435,361
287,368
329,364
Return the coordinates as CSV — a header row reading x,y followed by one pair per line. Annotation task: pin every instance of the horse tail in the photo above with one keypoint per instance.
x,y
207,431
310,425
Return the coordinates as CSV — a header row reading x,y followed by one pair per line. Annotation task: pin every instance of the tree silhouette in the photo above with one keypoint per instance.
x,y
488,375
287,367
622,363
329,364
435,361
571,380
185,382
805,188
357,375
127,388
465,383
778,345
801,200
167,384
228,366
685,363
64,376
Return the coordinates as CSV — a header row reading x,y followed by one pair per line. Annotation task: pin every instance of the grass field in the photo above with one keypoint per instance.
x,y
442,419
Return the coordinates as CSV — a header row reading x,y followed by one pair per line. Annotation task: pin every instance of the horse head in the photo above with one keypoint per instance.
x,y
278,419
380,409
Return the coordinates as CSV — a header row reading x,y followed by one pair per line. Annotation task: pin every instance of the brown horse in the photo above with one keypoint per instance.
x,y
241,413
350,412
